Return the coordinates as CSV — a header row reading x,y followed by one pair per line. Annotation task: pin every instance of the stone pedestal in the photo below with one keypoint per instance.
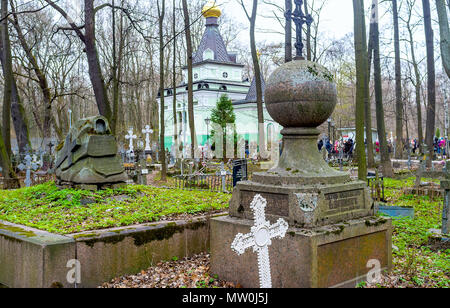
x,y
331,256
332,233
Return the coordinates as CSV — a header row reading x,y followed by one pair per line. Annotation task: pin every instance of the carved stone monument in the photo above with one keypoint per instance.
x,y
333,235
88,157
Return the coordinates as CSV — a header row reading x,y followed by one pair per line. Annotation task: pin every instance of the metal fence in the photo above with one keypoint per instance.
x,y
376,186
205,182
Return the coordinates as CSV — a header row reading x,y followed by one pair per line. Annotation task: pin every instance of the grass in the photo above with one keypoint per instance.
x,y
416,264
48,208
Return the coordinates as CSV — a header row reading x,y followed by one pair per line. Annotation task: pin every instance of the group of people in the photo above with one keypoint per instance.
x,y
347,146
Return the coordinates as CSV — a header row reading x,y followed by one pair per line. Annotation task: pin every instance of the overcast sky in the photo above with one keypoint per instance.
x,y
336,19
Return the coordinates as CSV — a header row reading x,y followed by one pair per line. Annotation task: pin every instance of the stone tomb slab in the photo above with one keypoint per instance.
x,y
331,256
305,206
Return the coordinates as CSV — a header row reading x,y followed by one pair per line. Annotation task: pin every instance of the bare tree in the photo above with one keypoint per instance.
x,y
398,86
381,126
431,106
257,74
361,72
445,34
187,24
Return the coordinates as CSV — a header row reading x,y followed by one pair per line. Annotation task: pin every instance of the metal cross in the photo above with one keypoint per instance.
x,y
131,137
147,131
28,166
260,238
300,19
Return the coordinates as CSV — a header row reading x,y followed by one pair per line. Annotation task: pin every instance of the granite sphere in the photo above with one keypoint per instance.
x,y
301,93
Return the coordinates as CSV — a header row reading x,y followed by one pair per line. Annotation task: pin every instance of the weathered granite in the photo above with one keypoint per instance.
x,y
331,256
30,258
332,235
89,156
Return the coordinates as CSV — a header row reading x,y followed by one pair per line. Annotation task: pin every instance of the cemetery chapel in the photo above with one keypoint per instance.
x,y
215,72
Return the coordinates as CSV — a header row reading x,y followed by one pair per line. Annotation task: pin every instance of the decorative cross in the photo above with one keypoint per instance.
x,y
147,131
260,238
299,19
131,137
28,166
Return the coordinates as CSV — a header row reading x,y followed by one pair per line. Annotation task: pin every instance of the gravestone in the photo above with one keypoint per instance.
x,y
88,158
445,184
28,166
333,232
239,171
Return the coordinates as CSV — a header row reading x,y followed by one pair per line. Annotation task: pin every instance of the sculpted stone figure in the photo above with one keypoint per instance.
x,y
88,157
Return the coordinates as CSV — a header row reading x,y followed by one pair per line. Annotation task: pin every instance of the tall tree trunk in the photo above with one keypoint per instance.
x,y
190,79
9,85
431,106
445,35
386,164
162,156
361,71
42,78
367,101
308,34
95,71
288,32
258,78
174,82
398,86
418,82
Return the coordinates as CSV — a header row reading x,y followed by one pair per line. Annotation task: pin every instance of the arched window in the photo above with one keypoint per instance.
x,y
208,54
223,88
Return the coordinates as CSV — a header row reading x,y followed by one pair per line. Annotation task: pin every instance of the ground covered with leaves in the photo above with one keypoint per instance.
x,y
187,273
417,261
48,208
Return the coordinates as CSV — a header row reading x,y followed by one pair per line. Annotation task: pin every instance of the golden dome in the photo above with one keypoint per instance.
x,y
211,9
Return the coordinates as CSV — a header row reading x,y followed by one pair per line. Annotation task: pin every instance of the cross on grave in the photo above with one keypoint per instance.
x,y
131,137
299,19
28,166
260,238
147,131
223,174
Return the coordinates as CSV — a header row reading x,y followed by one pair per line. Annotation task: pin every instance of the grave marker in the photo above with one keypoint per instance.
x,y
28,166
260,238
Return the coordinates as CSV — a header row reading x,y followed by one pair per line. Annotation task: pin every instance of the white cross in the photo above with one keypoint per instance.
x,y
28,166
147,131
131,137
260,238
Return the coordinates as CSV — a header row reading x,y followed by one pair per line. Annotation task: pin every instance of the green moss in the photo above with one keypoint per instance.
x,y
46,207
146,236
17,230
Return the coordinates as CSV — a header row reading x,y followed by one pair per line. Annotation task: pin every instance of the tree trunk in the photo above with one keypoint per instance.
x,y
367,103
418,82
386,164
361,71
11,180
162,156
288,32
445,35
398,86
42,78
308,34
258,80
190,79
174,83
95,71
431,106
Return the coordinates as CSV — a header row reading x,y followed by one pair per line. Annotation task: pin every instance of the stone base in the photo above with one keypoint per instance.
x,y
329,256
305,206
91,187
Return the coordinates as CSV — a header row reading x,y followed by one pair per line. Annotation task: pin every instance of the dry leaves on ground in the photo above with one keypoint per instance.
x,y
190,272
